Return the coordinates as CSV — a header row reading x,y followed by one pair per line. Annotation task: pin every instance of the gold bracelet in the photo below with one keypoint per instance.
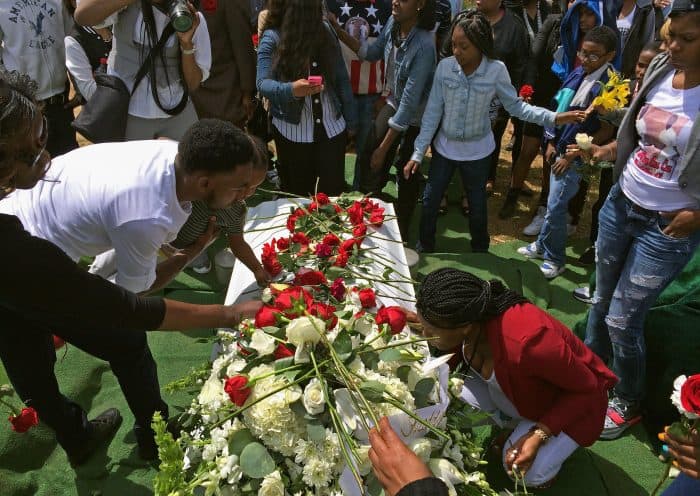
x,y
537,431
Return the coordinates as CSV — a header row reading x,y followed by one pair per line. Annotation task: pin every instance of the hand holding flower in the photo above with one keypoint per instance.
x,y
686,451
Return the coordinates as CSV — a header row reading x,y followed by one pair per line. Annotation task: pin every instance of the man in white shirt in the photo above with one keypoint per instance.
x,y
31,42
134,197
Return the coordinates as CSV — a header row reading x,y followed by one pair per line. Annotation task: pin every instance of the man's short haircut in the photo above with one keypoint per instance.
x,y
261,155
603,36
213,145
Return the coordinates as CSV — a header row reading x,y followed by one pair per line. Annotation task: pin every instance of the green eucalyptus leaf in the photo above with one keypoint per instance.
x,y
402,373
370,359
343,344
373,391
316,431
390,355
422,392
256,462
239,440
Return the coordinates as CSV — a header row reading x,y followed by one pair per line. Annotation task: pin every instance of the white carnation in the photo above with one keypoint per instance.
x,y
307,329
314,398
272,485
262,342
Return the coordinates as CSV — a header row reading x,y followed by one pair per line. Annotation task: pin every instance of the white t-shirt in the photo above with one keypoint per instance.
x,y
624,25
464,150
650,177
114,195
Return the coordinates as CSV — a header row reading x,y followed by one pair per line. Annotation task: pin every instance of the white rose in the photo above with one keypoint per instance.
x,y
421,447
236,366
305,329
262,342
444,470
314,398
272,485
456,385
364,325
584,141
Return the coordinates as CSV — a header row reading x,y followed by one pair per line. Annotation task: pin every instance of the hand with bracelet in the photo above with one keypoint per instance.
x,y
522,454
186,45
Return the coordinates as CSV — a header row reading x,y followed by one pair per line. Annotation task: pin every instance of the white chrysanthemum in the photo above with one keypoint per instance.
x,y
272,485
262,342
314,398
317,473
306,329
212,396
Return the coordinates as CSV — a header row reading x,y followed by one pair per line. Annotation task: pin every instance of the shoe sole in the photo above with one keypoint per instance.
x,y
614,434
531,256
552,276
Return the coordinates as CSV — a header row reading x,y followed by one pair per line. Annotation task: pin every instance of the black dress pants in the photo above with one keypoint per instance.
x,y
61,134
27,352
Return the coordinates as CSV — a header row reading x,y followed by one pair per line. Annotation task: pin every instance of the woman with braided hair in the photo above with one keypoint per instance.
x,y
524,367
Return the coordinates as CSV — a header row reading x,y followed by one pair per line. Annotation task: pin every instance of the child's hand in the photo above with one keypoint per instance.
x,y
560,166
570,117
410,168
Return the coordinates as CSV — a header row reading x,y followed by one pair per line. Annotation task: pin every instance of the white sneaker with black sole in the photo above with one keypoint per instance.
x,y
531,251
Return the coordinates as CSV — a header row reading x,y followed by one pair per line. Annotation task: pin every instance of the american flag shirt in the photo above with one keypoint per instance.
x,y
364,20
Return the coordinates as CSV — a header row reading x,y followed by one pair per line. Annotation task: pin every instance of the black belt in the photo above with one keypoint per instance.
x,y
640,210
59,99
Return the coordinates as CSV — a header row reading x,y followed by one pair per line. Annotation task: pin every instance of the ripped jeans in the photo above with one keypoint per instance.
x,y
635,262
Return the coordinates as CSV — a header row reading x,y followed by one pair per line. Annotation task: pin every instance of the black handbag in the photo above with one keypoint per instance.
x,y
103,117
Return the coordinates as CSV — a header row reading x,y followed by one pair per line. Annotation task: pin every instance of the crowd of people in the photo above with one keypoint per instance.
x,y
396,81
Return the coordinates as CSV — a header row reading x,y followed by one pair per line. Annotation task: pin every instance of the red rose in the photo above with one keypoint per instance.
x,y
291,222
394,316
26,419
376,218
324,312
348,245
367,298
256,40
368,205
355,213
331,239
283,244
690,394
308,277
209,5
359,232
526,91
337,208
282,352
266,316
313,206
338,289
323,250
269,259
57,342
237,389
341,260
300,238
285,300
322,199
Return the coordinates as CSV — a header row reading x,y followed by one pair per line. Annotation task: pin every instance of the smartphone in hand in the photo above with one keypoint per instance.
x,y
315,80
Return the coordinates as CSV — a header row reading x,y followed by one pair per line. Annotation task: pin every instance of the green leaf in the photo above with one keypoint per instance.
x,y
402,373
256,462
334,272
342,344
316,431
422,392
374,488
284,363
373,391
239,441
390,355
387,273
370,359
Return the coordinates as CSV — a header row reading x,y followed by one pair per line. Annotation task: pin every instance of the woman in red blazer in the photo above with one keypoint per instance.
x,y
524,367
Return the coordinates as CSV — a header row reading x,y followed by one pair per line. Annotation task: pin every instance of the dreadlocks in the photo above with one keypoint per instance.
x,y
450,298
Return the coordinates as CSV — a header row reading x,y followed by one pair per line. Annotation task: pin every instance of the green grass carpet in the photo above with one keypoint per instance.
x,y
32,463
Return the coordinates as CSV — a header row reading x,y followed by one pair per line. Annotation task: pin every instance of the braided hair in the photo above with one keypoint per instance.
x,y
450,298
18,109
477,28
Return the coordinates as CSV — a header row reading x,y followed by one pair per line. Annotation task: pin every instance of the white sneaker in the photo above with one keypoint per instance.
x,y
534,227
531,251
551,270
201,263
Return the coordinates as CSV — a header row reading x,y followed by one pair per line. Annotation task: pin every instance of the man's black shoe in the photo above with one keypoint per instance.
x,y
102,428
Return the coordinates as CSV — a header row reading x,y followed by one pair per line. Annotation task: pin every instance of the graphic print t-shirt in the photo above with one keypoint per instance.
x,y
664,123
363,20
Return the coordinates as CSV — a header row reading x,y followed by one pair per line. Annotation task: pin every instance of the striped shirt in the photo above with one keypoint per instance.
x,y
304,131
230,220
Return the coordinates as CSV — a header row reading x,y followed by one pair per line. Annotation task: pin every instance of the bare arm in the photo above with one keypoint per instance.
x,y
182,316
245,254
91,12
190,69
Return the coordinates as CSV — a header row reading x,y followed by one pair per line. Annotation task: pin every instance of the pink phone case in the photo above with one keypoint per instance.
x,y
316,80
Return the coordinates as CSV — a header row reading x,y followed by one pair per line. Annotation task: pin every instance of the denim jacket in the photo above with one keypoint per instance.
x,y
413,72
628,138
283,104
459,104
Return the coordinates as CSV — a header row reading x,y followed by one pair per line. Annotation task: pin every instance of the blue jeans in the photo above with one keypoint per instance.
x,y
365,113
684,485
474,174
635,261
552,238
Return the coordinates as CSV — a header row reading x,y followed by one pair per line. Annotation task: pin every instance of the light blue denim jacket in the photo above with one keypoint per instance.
x,y
459,104
413,73
283,104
